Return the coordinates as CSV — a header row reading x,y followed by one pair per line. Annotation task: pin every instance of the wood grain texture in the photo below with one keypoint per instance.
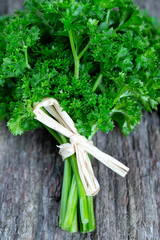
x,y
9,6
153,6
31,178
3,7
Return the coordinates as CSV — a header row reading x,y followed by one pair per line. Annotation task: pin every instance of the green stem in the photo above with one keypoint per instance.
x,y
76,68
99,78
54,134
81,191
76,60
91,225
74,227
83,51
65,190
118,96
93,132
71,205
72,44
26,57
107,17
83,227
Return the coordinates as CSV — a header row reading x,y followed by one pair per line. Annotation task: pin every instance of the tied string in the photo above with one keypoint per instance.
x,y
78,144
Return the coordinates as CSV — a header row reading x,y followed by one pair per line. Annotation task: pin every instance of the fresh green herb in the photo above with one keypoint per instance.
x,y
99,59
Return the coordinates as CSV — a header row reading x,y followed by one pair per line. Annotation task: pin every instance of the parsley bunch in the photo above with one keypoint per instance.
x,y
99,59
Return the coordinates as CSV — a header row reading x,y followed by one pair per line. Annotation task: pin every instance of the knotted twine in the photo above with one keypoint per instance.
x,y
78,144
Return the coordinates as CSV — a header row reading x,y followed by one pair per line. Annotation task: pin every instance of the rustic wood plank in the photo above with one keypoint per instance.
x,y
3,7
14,5
153,6
132,203
31,178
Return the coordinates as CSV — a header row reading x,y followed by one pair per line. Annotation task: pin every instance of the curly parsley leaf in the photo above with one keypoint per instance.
x,y
99,59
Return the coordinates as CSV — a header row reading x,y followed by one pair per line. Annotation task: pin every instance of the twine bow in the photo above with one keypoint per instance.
x,y
78,144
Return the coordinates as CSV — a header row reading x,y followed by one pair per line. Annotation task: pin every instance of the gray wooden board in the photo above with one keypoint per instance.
x,y
31,178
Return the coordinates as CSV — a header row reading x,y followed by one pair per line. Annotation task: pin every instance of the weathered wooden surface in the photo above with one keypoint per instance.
x,y
31,177
153,6
9,6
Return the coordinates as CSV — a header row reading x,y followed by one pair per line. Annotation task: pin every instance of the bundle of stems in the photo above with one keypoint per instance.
x,y
76,206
